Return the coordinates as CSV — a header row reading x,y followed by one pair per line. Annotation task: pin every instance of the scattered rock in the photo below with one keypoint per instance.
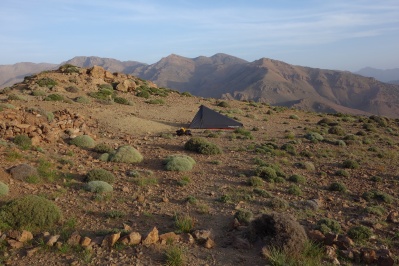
x,y
152,237
202,235
171,236
85,241
368,255
134,238
393,217
74,239
14,243
31,251
21,236
187,238
52,240
110,240
209,243
316,236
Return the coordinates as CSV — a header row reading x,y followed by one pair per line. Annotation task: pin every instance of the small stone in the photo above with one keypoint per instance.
x,y
74,239
344,242
165,199
110,240
127,227
21,236
85,242
52,240
134,238
140,198
15,244
171,236
393,217
125,189
202,235
330,239
330,252
152,237
187,238
316,236
385,260
368,255
32,251
209,243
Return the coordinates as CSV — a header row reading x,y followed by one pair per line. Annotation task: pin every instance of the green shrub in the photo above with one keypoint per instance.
x,y
243,133
122,100
68,68
327,225
314,136
187,94
184,223
30,212
342,172
54,97
23,141
184,180
174,256
278,204
83,141
359,232
327,121
106,86
3,189
255,181
100,174
72,89
376,210
223,104
306,165
38,93
103,94
46,82
202,146
82,99
350,164
378,195
267,173
126,154
336,130
337,186
288,147
103,148
294,190
156,101
98,186
243,216
297,179
293,117
143,94
179,162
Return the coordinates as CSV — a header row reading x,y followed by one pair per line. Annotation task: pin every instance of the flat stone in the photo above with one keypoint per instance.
x,y
152,237
171,236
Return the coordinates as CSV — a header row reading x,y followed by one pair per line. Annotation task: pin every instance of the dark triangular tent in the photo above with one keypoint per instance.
x,y
207,118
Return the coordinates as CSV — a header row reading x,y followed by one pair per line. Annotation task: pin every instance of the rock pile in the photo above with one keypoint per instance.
x,y
42,126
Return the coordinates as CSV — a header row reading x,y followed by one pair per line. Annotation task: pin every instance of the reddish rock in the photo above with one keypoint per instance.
x,y
14,243
316,236
110,240
393,217
330,239
171,236
21,236
187,238
134,238
209,243
85,241
74,239
368,255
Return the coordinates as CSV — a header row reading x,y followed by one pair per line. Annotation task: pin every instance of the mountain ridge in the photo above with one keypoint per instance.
x,y
264,80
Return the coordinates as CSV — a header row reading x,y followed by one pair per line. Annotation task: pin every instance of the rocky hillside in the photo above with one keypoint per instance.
x,y
92,173
384,75
264,80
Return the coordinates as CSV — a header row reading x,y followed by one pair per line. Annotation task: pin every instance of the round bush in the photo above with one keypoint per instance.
x,y
3,189
98,187
359,232
314,136
336,186
83,141
126,154
327,225
23,171
202,146
103,148
351,164
295,190
336,130
255,181
100,175
267,173
297,179
30,212
179,163
23,141
223,104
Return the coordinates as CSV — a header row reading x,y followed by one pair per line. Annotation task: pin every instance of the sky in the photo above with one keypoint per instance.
x,y
330,34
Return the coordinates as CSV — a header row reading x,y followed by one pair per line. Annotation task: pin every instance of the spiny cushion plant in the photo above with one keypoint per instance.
x,y
202,146
83,141
179,162
30,212
327,225
359,232
3,189
98,186
351,164
100,174
126,154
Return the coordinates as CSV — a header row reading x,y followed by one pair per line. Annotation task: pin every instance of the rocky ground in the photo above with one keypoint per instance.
x,y
332,177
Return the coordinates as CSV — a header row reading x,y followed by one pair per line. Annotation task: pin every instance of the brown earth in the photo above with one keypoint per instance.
x,y
219,183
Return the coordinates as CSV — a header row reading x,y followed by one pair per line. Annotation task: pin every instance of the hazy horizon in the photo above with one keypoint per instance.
x,y
321,34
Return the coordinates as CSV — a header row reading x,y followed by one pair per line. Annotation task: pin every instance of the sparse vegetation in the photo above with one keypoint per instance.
x,y
98,186
3,189
23,141
359,233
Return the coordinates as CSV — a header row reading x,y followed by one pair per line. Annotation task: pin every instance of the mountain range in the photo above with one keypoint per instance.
x,y
264,80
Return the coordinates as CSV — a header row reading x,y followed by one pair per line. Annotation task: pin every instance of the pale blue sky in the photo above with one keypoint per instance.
x,y
332,34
